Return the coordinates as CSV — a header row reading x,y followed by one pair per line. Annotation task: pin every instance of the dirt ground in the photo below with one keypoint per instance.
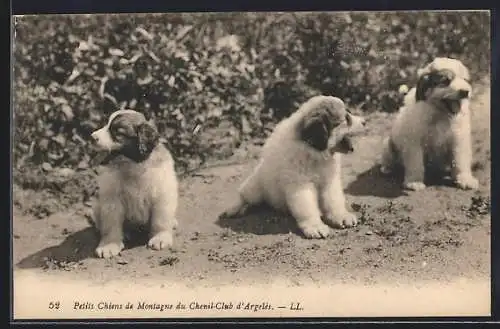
x,y
439,234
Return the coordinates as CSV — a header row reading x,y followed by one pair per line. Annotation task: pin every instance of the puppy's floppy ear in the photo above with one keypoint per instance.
x,y
147,138
423,85
316,131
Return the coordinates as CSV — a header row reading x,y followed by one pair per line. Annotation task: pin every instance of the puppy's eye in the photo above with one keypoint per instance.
x,y
121,131
445,79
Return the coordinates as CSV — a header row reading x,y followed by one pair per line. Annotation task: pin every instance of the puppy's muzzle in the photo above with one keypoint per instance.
x,y
96,140
345,144
355,122
95,137
101,139
461,89
101,146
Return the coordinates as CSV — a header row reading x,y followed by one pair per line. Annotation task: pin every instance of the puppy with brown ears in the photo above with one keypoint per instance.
x,y
300,168
138,185
432,130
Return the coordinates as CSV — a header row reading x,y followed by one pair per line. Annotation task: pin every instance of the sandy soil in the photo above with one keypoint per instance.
x,y
439,234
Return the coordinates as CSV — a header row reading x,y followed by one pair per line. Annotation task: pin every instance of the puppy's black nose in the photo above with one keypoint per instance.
x,y
463,93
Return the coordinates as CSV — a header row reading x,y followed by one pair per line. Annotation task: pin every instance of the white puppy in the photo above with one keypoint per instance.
x,y
138,184
300,168
432,130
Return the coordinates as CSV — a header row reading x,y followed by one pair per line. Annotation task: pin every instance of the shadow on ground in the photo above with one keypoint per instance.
x,y
78,247
75,248
373,183
261,220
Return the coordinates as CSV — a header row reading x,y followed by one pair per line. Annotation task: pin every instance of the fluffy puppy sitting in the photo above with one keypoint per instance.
x,y
138,185
432,130
300,168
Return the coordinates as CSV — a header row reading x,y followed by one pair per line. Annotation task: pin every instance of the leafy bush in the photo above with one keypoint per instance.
x,y
212,81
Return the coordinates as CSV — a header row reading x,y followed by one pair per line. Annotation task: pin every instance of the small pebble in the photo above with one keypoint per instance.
x,y
46,166
83,165
65,172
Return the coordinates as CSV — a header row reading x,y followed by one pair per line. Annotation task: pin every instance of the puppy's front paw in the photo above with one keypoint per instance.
x,y
414,186
467,182
109,250
315,230
161,240
343,220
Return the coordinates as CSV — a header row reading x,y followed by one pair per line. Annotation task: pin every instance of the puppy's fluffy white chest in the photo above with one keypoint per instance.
x,y
434,130
287,164
137,186
423,124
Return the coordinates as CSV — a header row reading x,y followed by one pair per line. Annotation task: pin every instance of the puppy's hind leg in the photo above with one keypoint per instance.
x,y
93,216
304,207
109,221
413,162
462,158
248,194
387,159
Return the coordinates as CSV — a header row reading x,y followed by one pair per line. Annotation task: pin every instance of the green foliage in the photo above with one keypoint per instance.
x,y
239,71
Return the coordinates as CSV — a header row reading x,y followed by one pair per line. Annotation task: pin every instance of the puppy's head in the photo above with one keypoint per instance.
x,y
444,82
327,125
128,133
